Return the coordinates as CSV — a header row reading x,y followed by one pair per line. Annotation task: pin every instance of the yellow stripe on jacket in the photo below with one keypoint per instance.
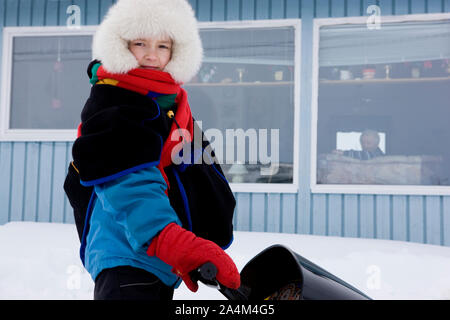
x,y
108,81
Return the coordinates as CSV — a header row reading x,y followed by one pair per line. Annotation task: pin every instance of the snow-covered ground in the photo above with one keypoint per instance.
x,y
40,261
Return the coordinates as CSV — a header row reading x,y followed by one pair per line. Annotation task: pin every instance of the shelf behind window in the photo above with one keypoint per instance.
x,y
239,60
400,80
240,84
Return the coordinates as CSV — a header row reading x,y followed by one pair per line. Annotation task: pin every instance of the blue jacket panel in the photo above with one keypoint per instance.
x,y
126,214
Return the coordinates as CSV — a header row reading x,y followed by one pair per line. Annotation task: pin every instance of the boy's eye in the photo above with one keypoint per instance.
x,y
162,46
138,44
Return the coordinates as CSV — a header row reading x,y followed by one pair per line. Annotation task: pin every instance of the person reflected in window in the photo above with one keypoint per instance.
x,y
370,141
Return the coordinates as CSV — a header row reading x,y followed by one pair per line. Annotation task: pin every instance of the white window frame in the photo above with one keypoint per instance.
x,y
296,24
356,188
9,33
7,134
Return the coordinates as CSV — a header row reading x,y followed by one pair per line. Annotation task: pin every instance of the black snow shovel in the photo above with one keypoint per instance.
x,y
277,273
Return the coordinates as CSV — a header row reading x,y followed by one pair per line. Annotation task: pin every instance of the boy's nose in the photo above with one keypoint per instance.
x,y
150,54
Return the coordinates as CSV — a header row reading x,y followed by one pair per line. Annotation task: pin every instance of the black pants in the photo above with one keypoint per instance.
x,y
129,283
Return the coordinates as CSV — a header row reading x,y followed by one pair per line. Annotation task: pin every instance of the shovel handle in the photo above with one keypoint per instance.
x,y
206,274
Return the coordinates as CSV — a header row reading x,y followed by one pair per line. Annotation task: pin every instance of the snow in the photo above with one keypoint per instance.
x,y
40,261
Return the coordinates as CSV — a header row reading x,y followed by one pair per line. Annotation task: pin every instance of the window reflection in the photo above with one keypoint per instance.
x,y
48,80
361,145
394,82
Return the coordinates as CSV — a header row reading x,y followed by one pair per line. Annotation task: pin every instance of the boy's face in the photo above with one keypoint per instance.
x,y
152,53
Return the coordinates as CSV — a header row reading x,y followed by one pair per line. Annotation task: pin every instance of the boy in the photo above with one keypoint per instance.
x,y
144,222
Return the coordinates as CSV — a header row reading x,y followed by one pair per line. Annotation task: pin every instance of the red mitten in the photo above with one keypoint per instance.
x,y
185,252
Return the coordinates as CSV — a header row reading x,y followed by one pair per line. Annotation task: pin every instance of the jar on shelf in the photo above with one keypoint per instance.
x,y
446,66
368,72
345,74
207,73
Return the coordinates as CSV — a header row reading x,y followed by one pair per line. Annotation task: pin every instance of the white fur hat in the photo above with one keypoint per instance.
x,y
129,20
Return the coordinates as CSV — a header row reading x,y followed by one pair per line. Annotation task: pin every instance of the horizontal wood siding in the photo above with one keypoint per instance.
x,y
31,185
406,218
32,174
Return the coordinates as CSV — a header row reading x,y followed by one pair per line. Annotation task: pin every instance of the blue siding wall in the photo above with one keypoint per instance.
x,y
32,174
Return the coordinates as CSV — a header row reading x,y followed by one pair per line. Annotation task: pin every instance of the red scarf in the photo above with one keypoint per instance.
x,y
145,81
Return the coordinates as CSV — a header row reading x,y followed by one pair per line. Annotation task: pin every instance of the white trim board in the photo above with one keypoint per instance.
x,y
264,187
359,189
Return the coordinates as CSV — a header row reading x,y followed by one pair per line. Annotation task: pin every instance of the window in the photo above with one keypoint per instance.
x,y
44,76
381,105
246,97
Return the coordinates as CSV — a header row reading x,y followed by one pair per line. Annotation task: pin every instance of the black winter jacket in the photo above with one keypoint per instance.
x,y
122,130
